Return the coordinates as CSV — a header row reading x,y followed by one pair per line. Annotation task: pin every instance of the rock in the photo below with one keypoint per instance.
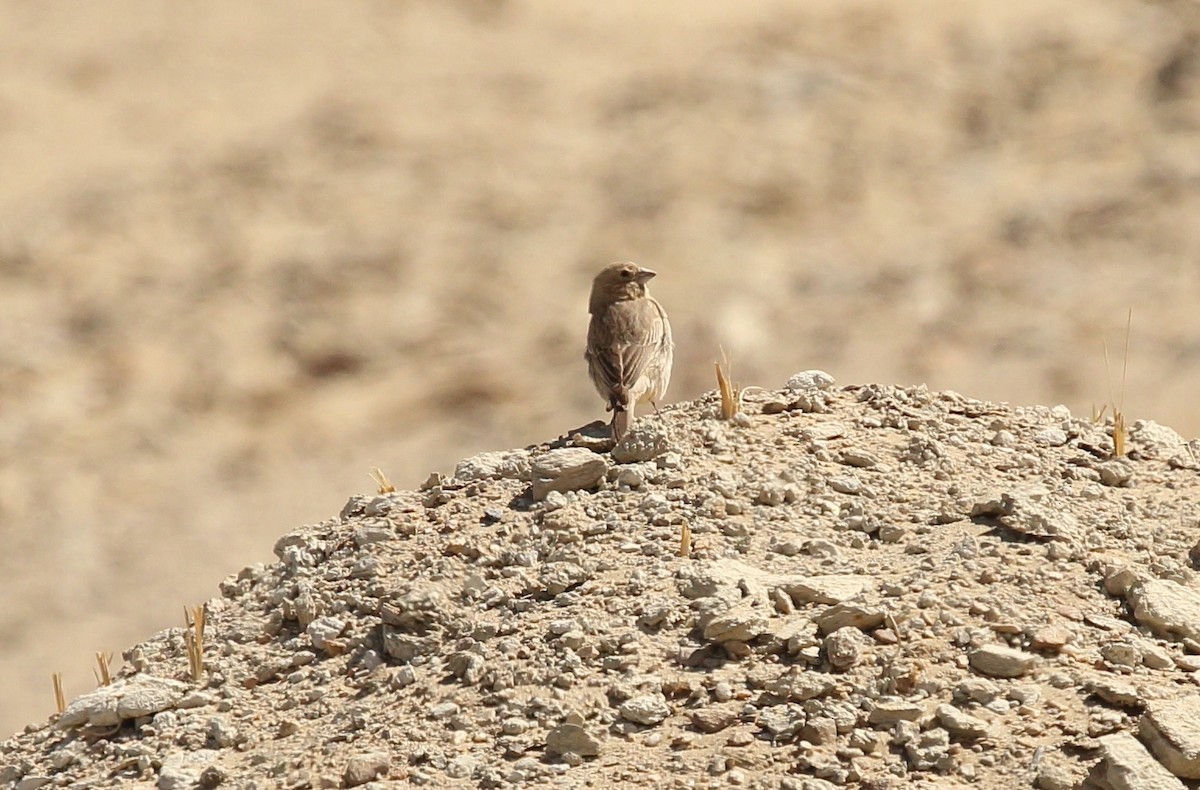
x,y
558,577
1171,728
129,698
1153,440
574,739
889,710
1117,474
1123,654
798,685
324,629
1001,662
1130,767
1051,638
566,469
927,750
825,589
843,647
500,465
742,623
1057,771
810,380
1115,691
645,441
178,773
709,578
961,724
366,767
1026,512
846,614
645,709
714,718
1167,608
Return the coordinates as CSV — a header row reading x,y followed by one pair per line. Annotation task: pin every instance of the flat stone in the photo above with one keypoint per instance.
x,y
825,589
1171,728
128,698
741,624
848,614
574,739
890,710
1050,638
566,469
1000,661
1130,767
714,718
961,724
1167,608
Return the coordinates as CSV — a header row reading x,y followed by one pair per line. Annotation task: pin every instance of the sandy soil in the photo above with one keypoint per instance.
x,y
248,252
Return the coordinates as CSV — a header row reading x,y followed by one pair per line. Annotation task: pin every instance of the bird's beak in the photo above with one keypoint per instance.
x,y
645,274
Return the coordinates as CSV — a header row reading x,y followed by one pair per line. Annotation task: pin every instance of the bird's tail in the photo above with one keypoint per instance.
x,y
621,421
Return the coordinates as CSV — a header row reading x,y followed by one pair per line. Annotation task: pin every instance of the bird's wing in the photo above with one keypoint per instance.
x,y
647,335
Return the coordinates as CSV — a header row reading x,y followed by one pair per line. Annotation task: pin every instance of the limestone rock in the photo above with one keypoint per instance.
x,y
500,465
645,709
140,695
1167,608
825,589
573,739
1130,767
566,469
645,441
1000,661
1171,728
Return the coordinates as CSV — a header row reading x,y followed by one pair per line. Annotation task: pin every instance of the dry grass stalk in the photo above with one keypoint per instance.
x,y
60,699
1119,431
383,485
193,637
731,395
103,672
685,539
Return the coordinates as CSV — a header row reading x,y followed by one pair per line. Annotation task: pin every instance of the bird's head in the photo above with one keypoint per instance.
x,y
618,282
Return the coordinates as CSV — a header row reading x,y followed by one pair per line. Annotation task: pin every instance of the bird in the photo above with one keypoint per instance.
x,y
629,344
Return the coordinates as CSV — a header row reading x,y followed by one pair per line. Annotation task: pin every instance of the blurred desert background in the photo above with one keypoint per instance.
x,y
250,250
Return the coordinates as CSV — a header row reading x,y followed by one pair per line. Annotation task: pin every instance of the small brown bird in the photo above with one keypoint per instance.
x,y
629,345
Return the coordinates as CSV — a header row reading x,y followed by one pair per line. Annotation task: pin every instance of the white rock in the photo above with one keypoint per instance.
x,y
1001,661
960,723
825,589
140,695
1171,727
1167,608
810,380
324,629
645,709
645,441
1131,767
741,624
505,464
566,469
1153,440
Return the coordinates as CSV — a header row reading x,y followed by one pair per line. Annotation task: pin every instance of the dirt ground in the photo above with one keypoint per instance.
x,y
248,252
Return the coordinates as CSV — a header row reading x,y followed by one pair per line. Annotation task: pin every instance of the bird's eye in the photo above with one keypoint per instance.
x,y
626,274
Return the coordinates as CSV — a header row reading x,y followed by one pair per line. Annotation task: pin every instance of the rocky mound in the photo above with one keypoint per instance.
x,y
867,586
